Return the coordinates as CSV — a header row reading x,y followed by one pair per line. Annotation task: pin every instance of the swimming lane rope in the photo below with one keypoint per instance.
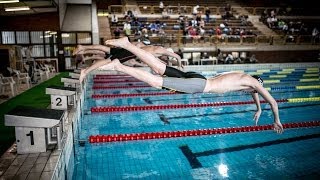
x,y
100,96
198,132
194,105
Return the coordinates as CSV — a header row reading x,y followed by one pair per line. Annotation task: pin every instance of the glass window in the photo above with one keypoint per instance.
x,y
51,50
68,50
84,38
23,37
8,37
36,37
37,51
68,38
50,37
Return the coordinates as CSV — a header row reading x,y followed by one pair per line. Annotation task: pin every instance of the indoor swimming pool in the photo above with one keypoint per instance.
x,y
130,130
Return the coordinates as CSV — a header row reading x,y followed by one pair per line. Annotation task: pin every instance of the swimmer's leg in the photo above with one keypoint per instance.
x,y
154,63
152,80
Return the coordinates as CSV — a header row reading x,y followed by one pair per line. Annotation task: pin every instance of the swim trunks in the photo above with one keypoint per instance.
x,y
173,72
119,53
184,85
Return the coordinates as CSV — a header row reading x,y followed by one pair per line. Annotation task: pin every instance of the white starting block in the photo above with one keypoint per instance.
x,y
35,129
77,70
71,82
74,75
62,98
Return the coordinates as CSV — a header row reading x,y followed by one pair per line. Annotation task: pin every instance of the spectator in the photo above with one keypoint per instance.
x,y
228,13
161,6
114,19
315,35
165,14
127,28
207,12
117,33
195,10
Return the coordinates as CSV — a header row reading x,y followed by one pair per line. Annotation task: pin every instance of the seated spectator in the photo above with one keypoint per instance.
x,y
161,6
315,35
127,28
243,20
195,10
117,33
114,19
207,12
165,14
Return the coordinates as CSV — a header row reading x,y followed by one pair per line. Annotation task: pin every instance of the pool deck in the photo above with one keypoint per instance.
x,y
30,166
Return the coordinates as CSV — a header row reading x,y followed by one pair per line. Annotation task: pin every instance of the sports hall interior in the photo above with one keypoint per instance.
x,y
202,32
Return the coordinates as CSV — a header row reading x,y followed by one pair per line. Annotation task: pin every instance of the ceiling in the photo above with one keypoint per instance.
x,y
36,6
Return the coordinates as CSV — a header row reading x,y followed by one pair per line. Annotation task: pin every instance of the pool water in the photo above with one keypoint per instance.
x,y
293,154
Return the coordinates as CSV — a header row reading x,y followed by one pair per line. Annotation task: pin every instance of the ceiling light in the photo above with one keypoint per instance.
x,y
20,8
9,1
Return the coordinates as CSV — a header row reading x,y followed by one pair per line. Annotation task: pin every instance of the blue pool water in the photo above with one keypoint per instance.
x,y
245,155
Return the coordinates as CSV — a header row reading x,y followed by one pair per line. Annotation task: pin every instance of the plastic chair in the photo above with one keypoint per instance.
x,y
7,82
22,77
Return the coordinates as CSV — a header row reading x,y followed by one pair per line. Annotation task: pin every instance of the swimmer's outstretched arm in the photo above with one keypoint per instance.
x,y
94,57
256,99
134,62
94,52
171,54
277,126
83,48
95,65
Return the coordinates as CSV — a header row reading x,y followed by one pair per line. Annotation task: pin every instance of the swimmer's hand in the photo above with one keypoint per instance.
x,y
257,116
277,126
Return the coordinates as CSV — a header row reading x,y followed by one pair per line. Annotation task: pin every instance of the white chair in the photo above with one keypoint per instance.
x,y
45,70
50,68
37,73
7,82
184,62
22,77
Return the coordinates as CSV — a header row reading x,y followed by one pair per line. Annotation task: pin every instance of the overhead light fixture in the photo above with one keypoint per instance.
x,y
8,1
20,8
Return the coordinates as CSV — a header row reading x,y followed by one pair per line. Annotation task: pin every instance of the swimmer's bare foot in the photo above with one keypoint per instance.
x,y
111,66
78,50
121,42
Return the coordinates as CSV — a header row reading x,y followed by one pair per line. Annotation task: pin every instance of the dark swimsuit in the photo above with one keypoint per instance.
x,y
119,53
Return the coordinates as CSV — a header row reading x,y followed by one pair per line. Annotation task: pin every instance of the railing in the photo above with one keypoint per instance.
x,y
179,40
215,10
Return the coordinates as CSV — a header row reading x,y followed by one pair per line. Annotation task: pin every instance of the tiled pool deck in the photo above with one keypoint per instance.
x,y
54,164
28,166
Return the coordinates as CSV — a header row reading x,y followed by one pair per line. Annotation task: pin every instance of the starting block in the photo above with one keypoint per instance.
x,y
74,75
71,82
35,129
62,97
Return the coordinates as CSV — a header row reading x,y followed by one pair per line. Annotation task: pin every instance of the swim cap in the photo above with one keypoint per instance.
x,y
259,79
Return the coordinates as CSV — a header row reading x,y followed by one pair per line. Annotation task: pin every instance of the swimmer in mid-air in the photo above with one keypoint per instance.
x,y
222,83
104,55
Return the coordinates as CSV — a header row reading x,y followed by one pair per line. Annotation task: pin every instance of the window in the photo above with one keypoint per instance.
x,y
84,38
36,37
68,38
23,37
8,37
